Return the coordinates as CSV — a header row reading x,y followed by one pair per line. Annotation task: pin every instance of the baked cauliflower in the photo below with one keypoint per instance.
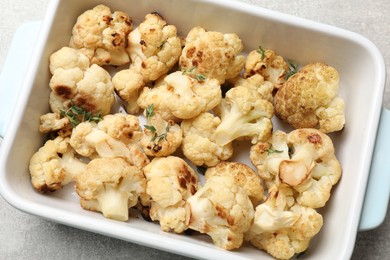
x,y
268,64
222,210
309,99
93,140
102,35
282,227
160,138
199,145
54,122
170,182
179,96
213,54
54,165
258,83
110,186
244,115
243,176
154,47
304,160
74,82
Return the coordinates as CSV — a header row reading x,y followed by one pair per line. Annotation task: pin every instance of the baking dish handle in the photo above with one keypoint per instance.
x,y
15,67
378,186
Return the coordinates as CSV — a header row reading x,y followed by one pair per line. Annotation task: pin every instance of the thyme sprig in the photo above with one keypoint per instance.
x,y
271,150
198,76
261,51
149,112
293,69
77,114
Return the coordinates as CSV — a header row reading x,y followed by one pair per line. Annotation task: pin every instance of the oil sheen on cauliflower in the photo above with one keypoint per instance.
x,y
304,160
154,47
309,99
180,96
102,35
199,145
75,82
170,182
222,210
213,54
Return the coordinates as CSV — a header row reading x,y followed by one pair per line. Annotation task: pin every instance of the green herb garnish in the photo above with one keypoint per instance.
x,y
198,76
149,111
262,52
270,150
78,114
293,69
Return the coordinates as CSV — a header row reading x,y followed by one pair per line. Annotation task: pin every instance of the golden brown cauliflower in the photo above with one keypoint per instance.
x,y
160,138
170,182
309,99
74,82
256,82
304,160
213,54
102,35
282,227
154,47
110,186
54,165
243,176
268,64
199,145
53,122
179,96
222,210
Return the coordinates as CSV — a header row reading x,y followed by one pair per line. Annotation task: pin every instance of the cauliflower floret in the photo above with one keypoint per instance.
x,y
243,176
54,165
170,182
281,227
221,209
309,99
154,47
160,138
304,160
53,122
256,82
179,96
244,115
268,64
75,83
110,186
212,54
128,85
102,35
199,145
91,141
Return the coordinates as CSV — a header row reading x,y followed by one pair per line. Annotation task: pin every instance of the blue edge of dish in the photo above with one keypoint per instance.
x,y
378,185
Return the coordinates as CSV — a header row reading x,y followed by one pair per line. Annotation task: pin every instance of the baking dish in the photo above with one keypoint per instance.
x,y
362,80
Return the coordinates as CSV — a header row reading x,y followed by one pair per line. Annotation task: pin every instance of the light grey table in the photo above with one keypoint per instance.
x,y
23,236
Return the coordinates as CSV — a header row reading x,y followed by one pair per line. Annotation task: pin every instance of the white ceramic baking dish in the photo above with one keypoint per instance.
x,y
358,61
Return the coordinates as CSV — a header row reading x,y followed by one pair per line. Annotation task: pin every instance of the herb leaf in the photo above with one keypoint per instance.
x,y
198,76
261,51
149,112
150,128
270,150
293,69
78,114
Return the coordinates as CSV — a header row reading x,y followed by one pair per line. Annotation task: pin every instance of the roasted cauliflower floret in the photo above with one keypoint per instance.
x,y
102,35
309,99
160,138
179,96
199,145
53,122
91,141
268,64
54,165
128,85
213,54
75,83
243,176
110,186
256,82
282,227
304,160
222,210
244,115
154,47
170,182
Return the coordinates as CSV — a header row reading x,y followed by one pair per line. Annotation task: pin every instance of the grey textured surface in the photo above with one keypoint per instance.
x,y
23,236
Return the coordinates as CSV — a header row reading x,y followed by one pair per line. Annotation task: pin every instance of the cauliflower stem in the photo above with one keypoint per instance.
x,y
113,204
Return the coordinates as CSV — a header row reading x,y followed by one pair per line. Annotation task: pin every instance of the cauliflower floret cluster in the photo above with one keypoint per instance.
x,y
309,99
102,35
178,116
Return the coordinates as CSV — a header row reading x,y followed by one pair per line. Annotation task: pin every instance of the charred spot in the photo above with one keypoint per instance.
x,y
143,65
221,212
63,91
193,189
314,139
195,63
170,88
182,182
156,148
59,155
156,13
129,22
107,19
142,42
152,30
130,134
117,39
199,55
190,52
83,102
49,188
